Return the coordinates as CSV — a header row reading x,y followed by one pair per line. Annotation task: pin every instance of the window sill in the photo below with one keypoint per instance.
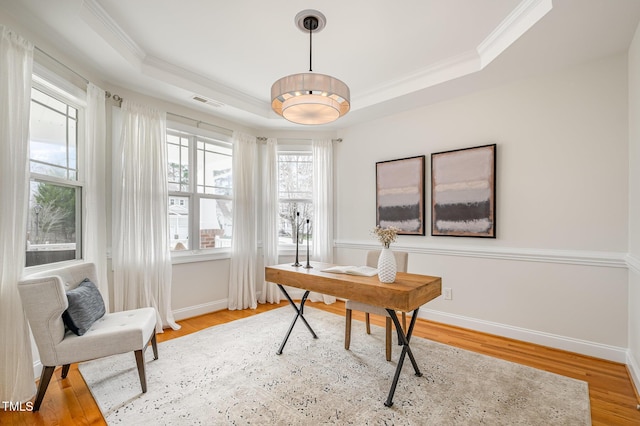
x,y
291,251
37,269
193,256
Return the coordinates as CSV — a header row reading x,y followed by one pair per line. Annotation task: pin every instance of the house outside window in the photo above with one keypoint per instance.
x,y
54,225
200,191
295,191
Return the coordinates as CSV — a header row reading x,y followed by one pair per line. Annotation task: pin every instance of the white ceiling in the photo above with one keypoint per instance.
x,y
393,55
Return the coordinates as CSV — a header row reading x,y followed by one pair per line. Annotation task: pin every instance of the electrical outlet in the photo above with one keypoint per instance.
x,y
447,293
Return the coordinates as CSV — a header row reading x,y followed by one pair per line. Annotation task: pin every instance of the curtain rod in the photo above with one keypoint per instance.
x,y
107,94
198,122
263,139
115,97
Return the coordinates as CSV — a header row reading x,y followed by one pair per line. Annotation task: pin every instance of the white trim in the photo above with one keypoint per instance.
x,y
570,257
193,256
196,130
203,308
37,369
633,263
520,20
611,353
204,86
115,30
53,84
634,371
448,69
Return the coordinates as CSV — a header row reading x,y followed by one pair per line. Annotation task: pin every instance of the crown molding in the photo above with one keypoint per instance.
x,y
113,34
519,21
92,12
440,72
203,86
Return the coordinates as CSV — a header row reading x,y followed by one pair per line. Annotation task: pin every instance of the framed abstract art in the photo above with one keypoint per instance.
x,y
463,192
400,194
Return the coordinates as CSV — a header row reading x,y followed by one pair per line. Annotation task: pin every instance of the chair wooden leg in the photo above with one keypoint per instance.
x,y
140,362
404,321
154,345
45,378
366,320
347,330
65,370
387,338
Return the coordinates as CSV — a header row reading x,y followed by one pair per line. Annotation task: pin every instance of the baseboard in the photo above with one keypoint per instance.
x,y
597,350
634,373
204,308
37,369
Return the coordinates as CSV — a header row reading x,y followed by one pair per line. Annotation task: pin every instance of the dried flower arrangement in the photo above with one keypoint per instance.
x,y
385,235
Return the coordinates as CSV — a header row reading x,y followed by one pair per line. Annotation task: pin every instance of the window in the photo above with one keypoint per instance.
x,y
54,220
295,180
199,209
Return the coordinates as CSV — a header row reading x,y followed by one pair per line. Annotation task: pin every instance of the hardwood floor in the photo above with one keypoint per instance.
x,y
612,396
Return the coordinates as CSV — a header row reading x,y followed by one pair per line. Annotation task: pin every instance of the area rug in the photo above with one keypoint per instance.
x,y
230,374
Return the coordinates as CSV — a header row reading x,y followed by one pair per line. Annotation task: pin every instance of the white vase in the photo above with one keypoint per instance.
x,y
387,267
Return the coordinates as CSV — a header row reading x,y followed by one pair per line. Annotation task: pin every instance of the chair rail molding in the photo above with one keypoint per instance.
x,y
633,263
571,257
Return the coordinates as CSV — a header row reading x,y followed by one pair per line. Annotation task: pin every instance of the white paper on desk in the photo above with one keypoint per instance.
x,y
365,271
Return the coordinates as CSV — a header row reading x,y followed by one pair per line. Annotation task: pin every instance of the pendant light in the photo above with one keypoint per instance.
x,y
310,98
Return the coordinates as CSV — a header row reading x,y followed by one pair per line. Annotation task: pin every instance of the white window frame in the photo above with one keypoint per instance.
x,y
55,86
195,253
295,149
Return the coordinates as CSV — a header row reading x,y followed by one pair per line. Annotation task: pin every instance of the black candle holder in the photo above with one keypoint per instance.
x,y
308,265
297,240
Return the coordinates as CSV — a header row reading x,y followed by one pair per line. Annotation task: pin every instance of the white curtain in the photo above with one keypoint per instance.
x,y
269,291
244,251
141,254
322,207
94,235
16,363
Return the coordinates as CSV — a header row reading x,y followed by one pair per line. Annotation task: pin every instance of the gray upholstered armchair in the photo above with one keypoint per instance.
x,y
45,299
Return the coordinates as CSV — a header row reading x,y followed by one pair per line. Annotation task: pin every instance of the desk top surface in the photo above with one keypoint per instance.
x,y
408,292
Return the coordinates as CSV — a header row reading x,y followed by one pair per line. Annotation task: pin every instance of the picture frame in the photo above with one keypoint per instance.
x,y
400,195
463,192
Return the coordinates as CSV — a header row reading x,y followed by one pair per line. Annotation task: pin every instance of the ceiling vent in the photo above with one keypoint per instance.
x,y
207,101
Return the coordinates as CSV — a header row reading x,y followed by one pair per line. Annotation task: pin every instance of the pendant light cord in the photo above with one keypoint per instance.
x,y
310,44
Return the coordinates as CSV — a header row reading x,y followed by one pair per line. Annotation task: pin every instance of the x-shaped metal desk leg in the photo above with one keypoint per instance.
x,y
299,314
406,350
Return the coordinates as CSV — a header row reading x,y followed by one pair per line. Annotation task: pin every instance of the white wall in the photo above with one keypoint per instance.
x,y
633,359
556,274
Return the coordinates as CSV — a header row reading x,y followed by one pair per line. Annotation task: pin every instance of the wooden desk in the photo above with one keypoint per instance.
x,y
407,293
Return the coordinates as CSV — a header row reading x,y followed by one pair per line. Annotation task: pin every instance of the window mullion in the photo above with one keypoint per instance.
x,y
194,200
